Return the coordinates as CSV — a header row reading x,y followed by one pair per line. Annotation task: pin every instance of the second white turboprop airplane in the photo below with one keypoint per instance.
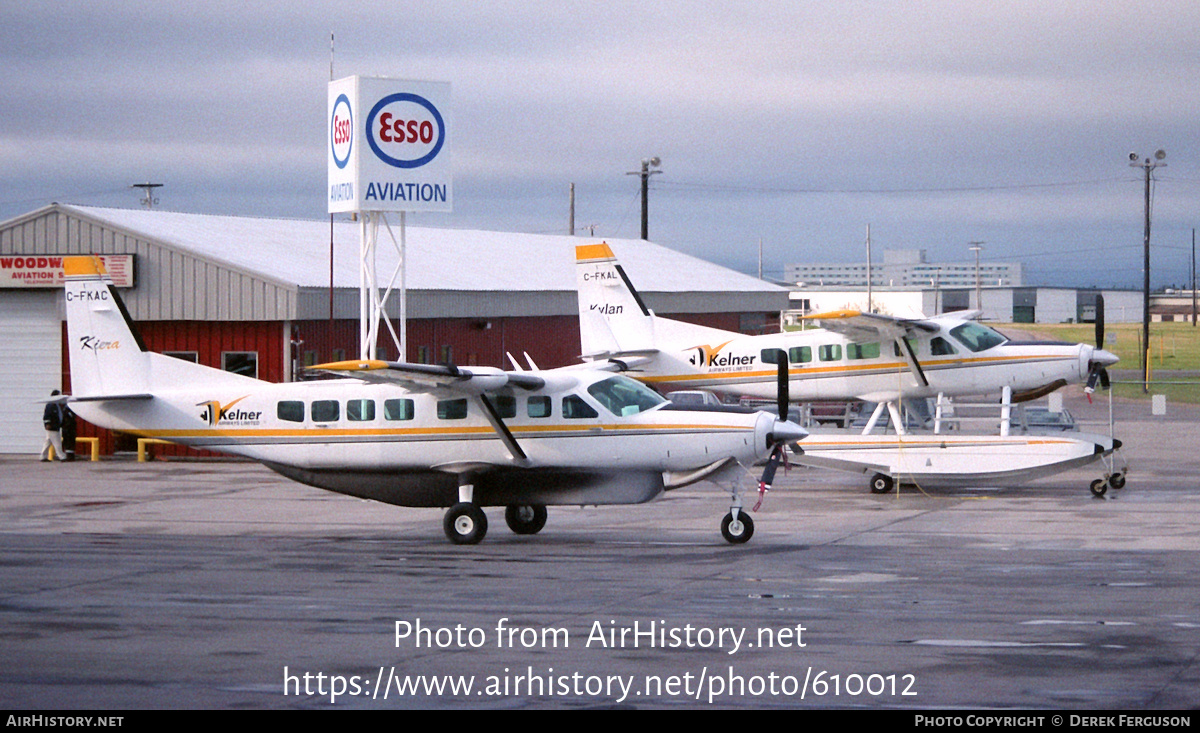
x,y
415,434
854,355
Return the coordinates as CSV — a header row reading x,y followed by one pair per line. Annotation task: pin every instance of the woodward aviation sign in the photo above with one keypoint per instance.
x,y
45,271
388,145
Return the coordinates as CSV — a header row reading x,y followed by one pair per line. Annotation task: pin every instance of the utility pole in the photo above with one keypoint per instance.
x,y
1193,277
571,214
870,304
1148,167
645,173
977,247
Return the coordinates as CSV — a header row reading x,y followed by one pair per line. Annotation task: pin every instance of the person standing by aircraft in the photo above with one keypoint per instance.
x,y
52,422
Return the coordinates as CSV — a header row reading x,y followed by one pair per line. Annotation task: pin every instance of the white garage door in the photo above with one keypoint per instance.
x,y
30,364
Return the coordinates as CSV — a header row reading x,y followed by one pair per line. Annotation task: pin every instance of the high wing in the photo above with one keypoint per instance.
x,y
864,327
433,377
859,326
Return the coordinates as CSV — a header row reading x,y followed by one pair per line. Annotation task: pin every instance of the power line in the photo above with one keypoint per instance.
x,y
886,191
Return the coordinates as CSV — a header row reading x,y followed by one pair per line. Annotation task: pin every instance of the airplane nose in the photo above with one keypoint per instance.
x,y
786,431
1104,358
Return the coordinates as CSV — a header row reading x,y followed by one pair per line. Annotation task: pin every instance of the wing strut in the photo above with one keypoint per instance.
x,y
502,431
911,358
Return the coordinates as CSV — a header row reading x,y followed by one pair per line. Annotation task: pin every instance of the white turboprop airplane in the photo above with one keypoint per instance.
x,y
856,356
862,356
415,434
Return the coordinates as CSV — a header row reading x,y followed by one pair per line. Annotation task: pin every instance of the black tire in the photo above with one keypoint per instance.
x,y
737,532
465,524
1099,487
525,518
881,483
1117,480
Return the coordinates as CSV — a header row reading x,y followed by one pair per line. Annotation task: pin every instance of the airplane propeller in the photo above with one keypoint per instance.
x,y
1097,367
784,432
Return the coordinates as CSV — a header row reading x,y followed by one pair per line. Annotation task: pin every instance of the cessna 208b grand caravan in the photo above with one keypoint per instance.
x,y
857,356
416,434
854,355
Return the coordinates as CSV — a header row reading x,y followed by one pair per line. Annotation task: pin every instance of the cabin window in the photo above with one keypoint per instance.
x,y
397,409
538,407
505,405
623,396
800,354
326,411
451,409
976,337
290,411
941,347
912,344
575,408
771,356
862,351
830,352
360,410
241,362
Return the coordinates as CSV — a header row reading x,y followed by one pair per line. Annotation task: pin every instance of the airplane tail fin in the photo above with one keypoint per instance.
x,y
108,359
107,356
613,319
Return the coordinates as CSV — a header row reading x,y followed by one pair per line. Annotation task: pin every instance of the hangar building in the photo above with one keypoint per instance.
x,y
254,296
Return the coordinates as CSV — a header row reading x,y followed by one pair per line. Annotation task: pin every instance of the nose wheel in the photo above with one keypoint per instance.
x,y
737,529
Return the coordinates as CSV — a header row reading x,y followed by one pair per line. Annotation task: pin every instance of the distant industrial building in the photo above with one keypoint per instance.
x,y
1001,304
906,268
261,297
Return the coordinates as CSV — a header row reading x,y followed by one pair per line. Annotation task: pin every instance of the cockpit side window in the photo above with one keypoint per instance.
x,y
623,396
976,337
574,407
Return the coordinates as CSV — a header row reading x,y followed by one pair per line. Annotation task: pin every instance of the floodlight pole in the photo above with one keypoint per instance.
x,y
645,173
1147,166
977,247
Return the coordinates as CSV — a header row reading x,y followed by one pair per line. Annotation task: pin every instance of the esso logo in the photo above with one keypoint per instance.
x,y
405,130
341,131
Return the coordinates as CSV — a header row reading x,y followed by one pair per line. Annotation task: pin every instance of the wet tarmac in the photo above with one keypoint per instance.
x,y
206,584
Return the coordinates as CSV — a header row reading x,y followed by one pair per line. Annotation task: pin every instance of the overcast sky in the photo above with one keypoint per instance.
x,y
796,124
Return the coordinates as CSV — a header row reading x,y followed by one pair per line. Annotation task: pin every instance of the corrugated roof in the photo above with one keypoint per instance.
x,y
297,251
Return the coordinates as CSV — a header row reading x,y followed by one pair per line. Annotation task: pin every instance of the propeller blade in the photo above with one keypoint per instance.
x,y
1099,321
782,399
1104,378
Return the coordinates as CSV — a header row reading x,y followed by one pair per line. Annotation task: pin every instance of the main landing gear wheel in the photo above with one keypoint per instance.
x,y
1117,480
525,518
1099,487
881,484
739,530
465,524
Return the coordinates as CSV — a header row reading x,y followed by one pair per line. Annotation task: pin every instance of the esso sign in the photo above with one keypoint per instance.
x,y
405,130
341,131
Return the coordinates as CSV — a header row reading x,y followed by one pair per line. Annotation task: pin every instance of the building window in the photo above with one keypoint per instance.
x,y
422,354
326,411
447,354
398,410
339,354
191,356
538,407
360,410
451,409
244,363
290,411
310,358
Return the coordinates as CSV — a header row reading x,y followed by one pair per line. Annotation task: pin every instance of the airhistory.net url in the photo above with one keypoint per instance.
x,y
705,685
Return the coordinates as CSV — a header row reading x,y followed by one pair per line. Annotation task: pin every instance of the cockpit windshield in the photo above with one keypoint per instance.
x,y
976,337
623,396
